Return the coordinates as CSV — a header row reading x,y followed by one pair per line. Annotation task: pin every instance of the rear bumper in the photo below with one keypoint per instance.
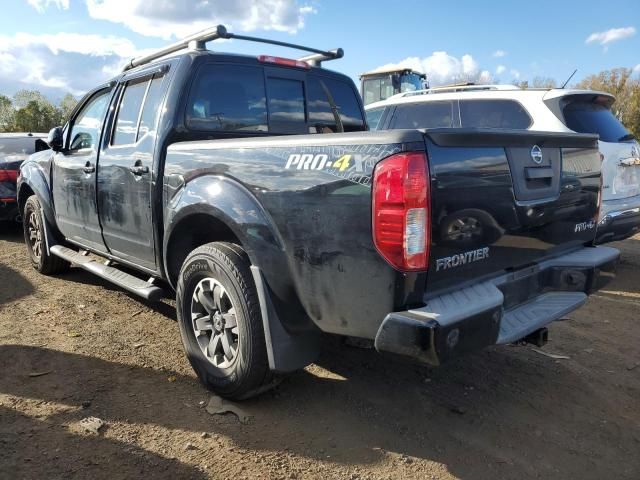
x,y
501,310
619,219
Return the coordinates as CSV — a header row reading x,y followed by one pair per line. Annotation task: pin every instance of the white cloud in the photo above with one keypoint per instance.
x,y
169,19
485,77
499,54
610,36
442,68
42,5
60,63
500,69
636,68
515,74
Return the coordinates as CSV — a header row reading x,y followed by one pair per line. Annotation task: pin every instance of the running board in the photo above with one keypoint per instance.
x,y
122,279
537,313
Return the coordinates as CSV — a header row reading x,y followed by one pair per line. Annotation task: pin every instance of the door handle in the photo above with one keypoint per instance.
x,y
534,173
139,169
88,168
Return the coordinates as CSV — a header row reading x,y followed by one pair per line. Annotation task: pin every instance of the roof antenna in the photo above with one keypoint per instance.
x,y
569,79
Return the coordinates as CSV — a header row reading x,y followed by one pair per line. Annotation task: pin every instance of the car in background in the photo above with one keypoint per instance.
x,y
15,148
549,110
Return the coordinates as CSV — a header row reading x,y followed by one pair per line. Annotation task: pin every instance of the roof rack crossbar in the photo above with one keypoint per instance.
x,y
316,59
198,41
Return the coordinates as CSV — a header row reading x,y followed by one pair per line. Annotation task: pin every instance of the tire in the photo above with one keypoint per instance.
x,y
240,372
34,237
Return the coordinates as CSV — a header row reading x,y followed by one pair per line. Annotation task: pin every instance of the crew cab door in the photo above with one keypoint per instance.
x,y
74,173
125,170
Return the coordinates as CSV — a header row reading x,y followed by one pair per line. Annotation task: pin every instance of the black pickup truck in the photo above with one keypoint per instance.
x,y
251,187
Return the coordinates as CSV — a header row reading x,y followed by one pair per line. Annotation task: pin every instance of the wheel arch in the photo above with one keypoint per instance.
x,y
215,208
33,182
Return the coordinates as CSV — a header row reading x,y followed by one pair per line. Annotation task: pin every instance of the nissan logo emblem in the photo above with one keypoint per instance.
x,y
536,154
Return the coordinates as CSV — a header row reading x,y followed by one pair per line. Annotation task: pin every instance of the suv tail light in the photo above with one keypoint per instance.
x,y
401,217
8,175
287,62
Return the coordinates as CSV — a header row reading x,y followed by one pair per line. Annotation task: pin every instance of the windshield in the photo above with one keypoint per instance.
x,y
410,82
587,117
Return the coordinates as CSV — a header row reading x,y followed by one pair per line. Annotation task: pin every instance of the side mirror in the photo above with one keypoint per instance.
x,y
55,139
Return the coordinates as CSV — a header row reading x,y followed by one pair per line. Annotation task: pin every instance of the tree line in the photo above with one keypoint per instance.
x,y
30,111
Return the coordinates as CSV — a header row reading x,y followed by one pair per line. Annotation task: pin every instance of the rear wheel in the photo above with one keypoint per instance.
x,y
220,321
34,236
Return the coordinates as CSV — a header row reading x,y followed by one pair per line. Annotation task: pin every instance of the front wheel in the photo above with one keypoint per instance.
x,y
34,236
221,323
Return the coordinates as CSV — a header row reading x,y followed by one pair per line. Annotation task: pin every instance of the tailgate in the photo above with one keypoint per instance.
x,y
503,199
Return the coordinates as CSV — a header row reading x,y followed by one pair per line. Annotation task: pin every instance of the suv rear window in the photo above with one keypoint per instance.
x,y
424,115
230,98
17,146
493,114
374,116
587,117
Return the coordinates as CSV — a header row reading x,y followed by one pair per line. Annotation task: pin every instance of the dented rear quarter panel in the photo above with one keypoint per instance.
x,y
303,221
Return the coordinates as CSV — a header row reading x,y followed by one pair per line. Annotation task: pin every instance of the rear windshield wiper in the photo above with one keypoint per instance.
x,y
627,137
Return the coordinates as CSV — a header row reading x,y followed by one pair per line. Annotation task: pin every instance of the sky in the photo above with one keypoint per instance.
x,y
71,46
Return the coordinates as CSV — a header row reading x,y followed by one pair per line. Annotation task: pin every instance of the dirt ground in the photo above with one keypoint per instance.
x,y
506,412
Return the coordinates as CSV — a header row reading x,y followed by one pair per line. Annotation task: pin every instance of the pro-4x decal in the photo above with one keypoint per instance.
x,y
352,163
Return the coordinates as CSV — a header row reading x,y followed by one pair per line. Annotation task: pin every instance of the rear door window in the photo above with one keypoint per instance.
x,y
128,113
425,115
587,117
494,114
229,98
151,108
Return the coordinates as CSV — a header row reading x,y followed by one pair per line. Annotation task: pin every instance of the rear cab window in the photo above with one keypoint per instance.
x,y
591,117
253,99
228,98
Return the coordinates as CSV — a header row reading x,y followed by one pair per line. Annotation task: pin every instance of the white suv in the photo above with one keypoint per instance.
x,y
551,110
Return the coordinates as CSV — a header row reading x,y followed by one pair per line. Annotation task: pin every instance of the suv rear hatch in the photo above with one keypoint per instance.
x,y
502,200
591,113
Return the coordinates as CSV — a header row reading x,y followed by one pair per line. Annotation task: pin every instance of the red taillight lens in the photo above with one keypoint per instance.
x,y
8,175
401,217
288,62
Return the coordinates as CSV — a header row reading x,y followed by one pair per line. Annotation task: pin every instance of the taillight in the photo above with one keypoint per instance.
x,y
8,175
401,217
287,62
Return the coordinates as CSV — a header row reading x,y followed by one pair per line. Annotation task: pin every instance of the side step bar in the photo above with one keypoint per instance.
x,y
122,279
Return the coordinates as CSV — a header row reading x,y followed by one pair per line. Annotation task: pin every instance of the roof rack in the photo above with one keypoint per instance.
x,y
457,88
198,41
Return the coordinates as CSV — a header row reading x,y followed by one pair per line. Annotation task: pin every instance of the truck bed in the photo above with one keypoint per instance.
x,y
320,215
